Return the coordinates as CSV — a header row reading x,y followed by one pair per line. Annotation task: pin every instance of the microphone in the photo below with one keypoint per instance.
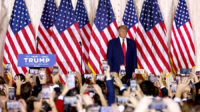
x,y
37,38
80,43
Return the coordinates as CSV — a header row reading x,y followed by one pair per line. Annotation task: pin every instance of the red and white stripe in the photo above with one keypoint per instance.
x,y
85,35
22,42
152,51
44,43
132,32
67,49
182,50
98,45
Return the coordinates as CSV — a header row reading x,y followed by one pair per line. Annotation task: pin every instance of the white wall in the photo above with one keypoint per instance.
x,y
167,7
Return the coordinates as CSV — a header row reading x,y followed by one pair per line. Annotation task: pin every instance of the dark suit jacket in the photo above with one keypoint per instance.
x,y
164,92
111,92
115,56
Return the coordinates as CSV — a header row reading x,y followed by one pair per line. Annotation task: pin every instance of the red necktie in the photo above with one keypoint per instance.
x,y
124,51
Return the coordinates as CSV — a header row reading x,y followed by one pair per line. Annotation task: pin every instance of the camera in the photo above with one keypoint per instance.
x,y
191,84
11,93
91,90
46,91
71,79
42,73
104,65
94,109
100,77
122,70
87,76
153,78
12,105
55,70
33,71
133,84
122,100
178,79
157,104
7,68
173,86
197,73
139,71
185,71
106,109
70,100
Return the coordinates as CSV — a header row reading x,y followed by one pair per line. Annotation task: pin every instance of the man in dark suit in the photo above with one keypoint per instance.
x,y
122,51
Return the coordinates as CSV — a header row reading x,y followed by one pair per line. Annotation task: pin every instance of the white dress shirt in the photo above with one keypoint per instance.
x,y
125,41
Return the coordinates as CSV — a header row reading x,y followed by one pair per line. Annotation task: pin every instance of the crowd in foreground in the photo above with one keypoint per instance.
x,y
109,92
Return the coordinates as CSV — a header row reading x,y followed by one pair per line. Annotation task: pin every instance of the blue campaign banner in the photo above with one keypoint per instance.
x,y
36,60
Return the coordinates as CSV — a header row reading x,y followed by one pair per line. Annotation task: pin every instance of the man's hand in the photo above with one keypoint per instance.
x,y
93,78
181,87
18,81
118,82
139,92
79,105
83,89
10,77
88,100
18,84
55,78
79,77
65,89
194,77
51,102
99,92
107,73
146,76
23,105
97,89
127,92
171,105
133,100
27,77
37,105
143,105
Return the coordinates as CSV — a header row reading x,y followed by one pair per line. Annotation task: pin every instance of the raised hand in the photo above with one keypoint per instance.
x,y
83,89
182,87
118,82
99,92
87,100
56,78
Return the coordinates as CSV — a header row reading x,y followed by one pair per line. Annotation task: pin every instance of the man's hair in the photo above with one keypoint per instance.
x,y
26,90
2,81
149,89
123,27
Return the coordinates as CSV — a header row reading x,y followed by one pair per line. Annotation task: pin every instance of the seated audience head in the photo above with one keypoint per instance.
x,y
26,90
149,89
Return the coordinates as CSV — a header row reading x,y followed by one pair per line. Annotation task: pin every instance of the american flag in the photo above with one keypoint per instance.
x,y
103,30
65,39
182,50
45,28
85,28
151,40
20,37
130,19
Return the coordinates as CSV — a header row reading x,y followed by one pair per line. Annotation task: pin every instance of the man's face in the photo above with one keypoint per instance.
x,y
122,33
